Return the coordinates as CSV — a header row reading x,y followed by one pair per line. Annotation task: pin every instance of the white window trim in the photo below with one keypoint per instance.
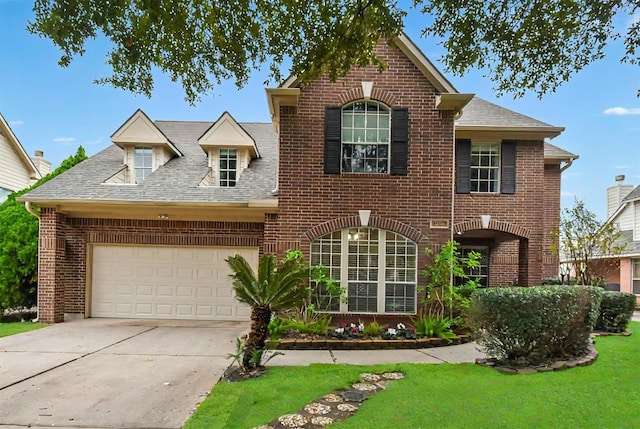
x,y
378,143
135,167
219,171
381,282
473,168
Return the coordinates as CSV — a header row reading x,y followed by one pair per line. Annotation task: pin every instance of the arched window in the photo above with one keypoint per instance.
x,y
366,130
377,268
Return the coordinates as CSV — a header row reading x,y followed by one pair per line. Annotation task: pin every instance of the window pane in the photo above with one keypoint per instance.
x,y
369,125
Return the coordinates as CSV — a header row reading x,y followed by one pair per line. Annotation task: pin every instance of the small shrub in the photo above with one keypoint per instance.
x,y
372,329
537,324
428,326
277,327
616,311
318,325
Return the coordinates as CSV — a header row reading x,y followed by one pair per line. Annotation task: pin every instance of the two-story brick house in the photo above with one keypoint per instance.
x,y
361,174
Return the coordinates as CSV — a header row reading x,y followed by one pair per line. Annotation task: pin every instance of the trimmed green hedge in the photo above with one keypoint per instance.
x,y
528,326
616,311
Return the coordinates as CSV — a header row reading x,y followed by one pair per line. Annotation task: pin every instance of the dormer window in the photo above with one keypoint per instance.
x,y
228,163
229,149
145,149
143,163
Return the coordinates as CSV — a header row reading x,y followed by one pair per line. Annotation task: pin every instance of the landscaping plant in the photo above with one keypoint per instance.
x,y
277,286
442,297
529,326
616,310
428,326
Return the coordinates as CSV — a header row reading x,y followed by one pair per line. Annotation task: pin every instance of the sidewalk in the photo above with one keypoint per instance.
x,y
447,354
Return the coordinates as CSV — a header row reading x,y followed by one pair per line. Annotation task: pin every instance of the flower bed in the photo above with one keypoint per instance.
x,y
320,343
357,337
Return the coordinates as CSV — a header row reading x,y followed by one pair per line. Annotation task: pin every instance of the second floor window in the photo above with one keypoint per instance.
x,y
143,163
228,164
485,167
366,129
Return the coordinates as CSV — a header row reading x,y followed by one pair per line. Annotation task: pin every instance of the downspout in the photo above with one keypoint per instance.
x,y
456,116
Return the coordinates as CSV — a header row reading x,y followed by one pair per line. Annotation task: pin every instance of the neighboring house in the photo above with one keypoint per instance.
x,y
361,175
623,210
17,170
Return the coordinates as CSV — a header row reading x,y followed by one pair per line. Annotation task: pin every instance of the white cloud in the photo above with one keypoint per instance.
x,y
622,167
14,123
567,194
64,139
622,111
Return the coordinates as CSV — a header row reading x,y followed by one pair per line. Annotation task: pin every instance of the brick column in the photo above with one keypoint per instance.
x,y
51,266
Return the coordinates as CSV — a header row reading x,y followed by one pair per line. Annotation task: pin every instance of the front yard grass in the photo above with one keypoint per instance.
x,y
602,395
7,329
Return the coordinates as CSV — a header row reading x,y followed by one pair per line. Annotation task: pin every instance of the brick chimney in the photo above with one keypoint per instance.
x,y
616,193
43,166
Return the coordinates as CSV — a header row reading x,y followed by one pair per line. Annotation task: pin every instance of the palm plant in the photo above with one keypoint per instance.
x,y
278,286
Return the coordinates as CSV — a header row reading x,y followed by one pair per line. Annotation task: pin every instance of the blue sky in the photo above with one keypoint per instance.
x,y
56,110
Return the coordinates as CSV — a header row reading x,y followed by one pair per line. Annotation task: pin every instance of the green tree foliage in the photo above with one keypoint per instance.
x,y
19,244
591,248
523,45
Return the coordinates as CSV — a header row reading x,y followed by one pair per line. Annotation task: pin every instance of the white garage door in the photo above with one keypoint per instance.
x,y
166,282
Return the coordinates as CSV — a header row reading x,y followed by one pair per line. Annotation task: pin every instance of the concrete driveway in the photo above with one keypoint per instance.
x,y
112,373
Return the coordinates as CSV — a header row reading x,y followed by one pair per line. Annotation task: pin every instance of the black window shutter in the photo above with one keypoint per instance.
x,y
508,153
332,139
463,166
399,141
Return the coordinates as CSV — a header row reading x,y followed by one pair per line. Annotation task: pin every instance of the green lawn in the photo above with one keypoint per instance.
x,y
603,395
7,329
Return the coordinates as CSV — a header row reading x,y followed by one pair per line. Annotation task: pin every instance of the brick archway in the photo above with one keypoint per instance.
x,y
324,228
509,228
377,94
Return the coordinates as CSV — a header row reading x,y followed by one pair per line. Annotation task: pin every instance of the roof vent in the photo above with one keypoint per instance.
x,y
620,178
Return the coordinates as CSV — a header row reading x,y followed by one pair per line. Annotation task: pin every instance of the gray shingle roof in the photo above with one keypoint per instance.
x,y
633,195
479,112
554,152
176,181
632,248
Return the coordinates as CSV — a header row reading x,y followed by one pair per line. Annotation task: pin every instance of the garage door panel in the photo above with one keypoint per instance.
x,y
166,282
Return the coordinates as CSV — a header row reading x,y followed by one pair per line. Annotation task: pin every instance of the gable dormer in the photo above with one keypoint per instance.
x,y
146,148
229,149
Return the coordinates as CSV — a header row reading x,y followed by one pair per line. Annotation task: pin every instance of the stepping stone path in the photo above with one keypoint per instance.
x,y
335,406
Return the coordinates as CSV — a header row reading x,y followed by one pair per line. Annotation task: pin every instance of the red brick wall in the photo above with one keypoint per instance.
x,y
63,270
51,267
551,217
308,197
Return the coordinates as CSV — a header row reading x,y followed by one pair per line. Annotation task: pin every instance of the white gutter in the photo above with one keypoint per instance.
x,y
27,205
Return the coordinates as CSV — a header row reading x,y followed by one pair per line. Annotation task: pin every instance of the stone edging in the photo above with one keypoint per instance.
x,y
558,365
364,344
